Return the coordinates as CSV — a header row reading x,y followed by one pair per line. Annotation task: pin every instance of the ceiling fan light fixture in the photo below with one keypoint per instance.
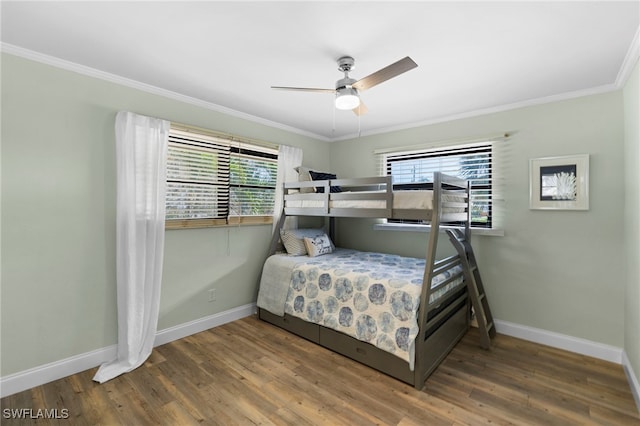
x,y
347,98
347,89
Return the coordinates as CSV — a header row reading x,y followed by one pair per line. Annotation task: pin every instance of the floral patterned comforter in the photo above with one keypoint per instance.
x,y
373,297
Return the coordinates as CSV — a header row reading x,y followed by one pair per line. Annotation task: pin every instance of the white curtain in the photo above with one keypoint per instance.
x,y
141,157
289,157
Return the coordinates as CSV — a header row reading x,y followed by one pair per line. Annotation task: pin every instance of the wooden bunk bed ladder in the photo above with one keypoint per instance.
x,y
474,285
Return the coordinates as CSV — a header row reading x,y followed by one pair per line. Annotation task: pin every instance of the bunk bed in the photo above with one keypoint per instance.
x,y
374,307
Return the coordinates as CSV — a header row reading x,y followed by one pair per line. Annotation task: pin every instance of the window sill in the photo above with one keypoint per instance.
x,y
426,228
232,221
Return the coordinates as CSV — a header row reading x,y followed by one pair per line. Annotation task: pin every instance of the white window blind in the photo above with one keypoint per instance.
x,y
197,177
216,180
253,181
413,169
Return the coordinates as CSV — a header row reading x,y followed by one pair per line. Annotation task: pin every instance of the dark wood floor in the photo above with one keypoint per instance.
x,y
249,372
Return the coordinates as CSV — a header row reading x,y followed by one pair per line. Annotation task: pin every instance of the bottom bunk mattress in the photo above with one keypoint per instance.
x,y
373,297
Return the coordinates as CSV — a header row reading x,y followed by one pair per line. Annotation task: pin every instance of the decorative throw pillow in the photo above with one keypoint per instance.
x,y
304,176
324,176
317,246
293,239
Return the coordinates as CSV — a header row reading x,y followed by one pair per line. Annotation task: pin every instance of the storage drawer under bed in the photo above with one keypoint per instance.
x,y
366,354
438,344
308,330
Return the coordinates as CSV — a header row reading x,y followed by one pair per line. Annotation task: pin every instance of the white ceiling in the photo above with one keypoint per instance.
x,y
471,56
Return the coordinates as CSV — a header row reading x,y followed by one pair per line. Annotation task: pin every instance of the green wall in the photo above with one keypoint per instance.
x,y
58,216
632,218
561,271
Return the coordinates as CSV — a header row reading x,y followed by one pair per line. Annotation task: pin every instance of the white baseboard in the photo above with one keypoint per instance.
x,y
576,345
187,329
37,376
40,375
632,378
561,341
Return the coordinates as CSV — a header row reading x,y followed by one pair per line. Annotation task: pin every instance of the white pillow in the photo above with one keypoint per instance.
x,y
304,176
293,239
317,246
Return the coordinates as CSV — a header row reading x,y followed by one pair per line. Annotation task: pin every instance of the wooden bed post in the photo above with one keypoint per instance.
x,y
332,228
420,367
276,233
467,225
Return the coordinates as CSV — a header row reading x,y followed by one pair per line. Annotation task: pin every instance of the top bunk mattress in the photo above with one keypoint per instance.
x,y
418,200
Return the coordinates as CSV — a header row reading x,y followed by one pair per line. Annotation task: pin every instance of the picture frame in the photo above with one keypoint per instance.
x,y
559,183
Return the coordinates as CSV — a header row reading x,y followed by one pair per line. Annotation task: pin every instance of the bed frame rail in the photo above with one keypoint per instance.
x,y
357,189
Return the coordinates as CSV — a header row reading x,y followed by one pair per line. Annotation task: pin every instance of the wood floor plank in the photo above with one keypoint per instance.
x,y
539,393
475,412
605,416
250,372
503,368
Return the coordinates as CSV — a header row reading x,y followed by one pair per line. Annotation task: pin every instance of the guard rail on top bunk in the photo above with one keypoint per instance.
x,y
375,189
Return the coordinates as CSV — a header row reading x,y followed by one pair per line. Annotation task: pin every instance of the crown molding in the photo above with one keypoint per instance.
x,y
134,84
633,53
629,62
630,59
490,110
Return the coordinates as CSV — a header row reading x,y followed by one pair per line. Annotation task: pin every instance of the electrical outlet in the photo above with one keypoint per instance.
x,y
212,294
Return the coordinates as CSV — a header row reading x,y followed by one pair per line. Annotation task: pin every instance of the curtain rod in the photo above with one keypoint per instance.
x,y
222,135
487,138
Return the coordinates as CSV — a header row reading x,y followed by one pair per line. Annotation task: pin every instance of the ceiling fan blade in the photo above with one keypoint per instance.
x,y
360,109
304,89
386,73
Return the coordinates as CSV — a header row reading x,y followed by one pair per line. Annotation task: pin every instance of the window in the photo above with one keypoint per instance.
x,y
412,170
252,186
217,180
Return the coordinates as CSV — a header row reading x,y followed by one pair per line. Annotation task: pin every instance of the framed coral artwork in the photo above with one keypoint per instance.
x,y
559,183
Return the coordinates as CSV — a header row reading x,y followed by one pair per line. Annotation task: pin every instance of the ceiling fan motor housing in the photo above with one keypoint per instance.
x,y
346,63
345,82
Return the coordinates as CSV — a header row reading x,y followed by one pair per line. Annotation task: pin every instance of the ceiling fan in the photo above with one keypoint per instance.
x,y
348,90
